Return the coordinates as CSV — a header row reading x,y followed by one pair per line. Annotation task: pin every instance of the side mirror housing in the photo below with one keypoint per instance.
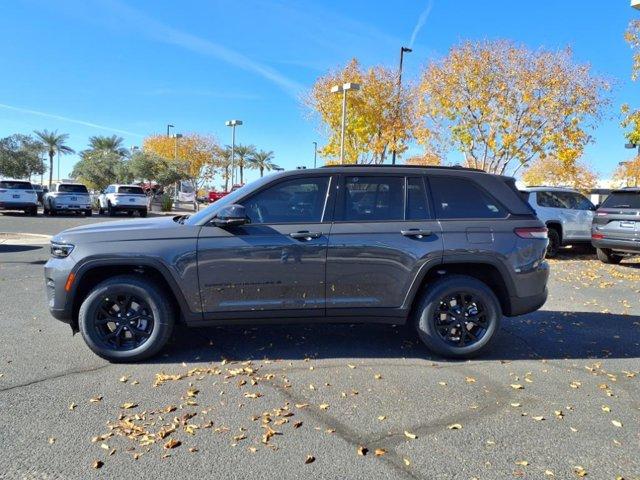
x,y
230,216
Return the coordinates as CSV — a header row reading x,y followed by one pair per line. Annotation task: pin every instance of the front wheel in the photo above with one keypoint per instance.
x,y
88,212
607,256
458,316
554,243
143,213
126,319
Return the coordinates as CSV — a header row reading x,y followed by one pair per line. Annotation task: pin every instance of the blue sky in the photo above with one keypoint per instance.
x,y
95,67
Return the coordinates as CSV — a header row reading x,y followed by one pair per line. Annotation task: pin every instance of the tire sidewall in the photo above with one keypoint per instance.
x,y
554,243
162,321
426,324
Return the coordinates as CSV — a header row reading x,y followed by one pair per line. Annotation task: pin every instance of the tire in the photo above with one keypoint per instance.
x,y
607,256
33,211
130,213
554,243
110,211
52,212
146,291
143,213
100,211
431,303
88,212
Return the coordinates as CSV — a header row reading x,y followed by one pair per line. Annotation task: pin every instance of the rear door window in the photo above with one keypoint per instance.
x,y
460,198
622,200
373,198
417,206
574,201
550,200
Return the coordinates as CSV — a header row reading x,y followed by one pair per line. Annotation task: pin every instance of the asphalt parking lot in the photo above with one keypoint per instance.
x,y
557,396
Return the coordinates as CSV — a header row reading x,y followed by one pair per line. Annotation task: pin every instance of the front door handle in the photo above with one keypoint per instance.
x,y
415,232
305,235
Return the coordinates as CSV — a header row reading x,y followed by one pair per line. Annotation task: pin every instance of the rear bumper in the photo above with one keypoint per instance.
x,y
617,244
522,305
531,292
17,205
128,208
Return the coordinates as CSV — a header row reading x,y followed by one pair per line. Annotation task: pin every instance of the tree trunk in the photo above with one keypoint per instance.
x,y
51,153
241,171
226,178
261,171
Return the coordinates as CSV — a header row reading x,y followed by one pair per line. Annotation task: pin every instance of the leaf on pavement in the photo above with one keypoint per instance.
x,y
517,386
455,426
309,459
378,452
173,443
97,464
579,471
410,435
617,423
362,450
129,405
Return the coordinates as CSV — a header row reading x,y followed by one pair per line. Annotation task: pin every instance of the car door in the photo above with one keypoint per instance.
x,y
383,234
583,210
275,264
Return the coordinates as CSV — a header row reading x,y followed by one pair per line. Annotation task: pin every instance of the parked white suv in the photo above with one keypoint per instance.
x,y
67,197
566,212
18,195
123,198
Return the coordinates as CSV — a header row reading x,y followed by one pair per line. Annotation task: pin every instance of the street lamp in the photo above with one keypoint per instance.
x,y
402,52
233,124
175,158
315,153
343,89
169,126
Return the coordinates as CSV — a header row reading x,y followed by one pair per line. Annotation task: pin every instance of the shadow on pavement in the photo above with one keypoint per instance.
x,y
544,334
18,248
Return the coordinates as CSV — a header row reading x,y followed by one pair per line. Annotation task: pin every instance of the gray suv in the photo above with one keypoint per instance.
x,y
446,250
616,225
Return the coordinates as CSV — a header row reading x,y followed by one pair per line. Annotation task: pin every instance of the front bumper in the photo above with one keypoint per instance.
x,y
56,273
617,244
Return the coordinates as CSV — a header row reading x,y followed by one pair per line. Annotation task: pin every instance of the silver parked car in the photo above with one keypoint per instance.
x,y
566,213
67,197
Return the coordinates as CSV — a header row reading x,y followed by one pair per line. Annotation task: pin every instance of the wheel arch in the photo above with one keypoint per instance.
x,y
93,272
557,226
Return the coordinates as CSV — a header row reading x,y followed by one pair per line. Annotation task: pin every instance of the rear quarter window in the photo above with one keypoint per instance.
x,y
131,190
460,198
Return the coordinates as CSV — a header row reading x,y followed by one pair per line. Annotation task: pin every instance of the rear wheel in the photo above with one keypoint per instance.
x,y
143,213
33,211
458,316
88,212
130,213
607,256
111,212
126,318
554,243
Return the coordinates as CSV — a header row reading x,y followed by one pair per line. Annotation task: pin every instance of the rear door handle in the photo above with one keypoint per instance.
x,y
415,232
304,235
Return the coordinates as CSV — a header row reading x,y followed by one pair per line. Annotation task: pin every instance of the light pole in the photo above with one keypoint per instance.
x,y
315,153
399,113
175,158
169,127
233,124
343,89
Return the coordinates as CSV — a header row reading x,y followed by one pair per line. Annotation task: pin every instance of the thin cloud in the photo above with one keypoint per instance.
x,y
67,119
158,92
160,32
422,19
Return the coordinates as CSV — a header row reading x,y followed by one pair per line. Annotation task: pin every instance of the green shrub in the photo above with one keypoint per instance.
x,y
166,203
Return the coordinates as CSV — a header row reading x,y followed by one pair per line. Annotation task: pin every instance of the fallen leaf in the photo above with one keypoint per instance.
x,y
252,395
97,464
362,450
406,461
302,405
124,379
549,473
517,386
377,376
193,449
72,406
522,463
173,443
579,471
606,408
617,423
297,425
96,399
323,406
470,380
382,417
379,452
129,405
52,440
351,366
455,426
538,418
516,405
309,459
410,435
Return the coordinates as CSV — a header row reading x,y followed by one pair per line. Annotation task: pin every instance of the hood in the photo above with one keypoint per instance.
x,y
125,230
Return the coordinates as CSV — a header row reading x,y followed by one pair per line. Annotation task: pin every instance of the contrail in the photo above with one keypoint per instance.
x,y
67,119
421,21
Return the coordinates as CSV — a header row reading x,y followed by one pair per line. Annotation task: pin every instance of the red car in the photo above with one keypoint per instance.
x,y
213,195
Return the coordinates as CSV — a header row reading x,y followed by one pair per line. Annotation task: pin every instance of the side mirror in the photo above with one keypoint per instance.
x,y
230,216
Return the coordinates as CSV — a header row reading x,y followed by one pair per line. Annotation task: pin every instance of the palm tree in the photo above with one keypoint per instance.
x,y
262,161
103,143
54,142
243,153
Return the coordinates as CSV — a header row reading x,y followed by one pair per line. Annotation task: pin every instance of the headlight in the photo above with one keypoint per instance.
x,y
61,250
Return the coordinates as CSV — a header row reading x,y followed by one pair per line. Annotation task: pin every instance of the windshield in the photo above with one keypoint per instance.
x,y
230,199
622,200
72,188
131,190
15,185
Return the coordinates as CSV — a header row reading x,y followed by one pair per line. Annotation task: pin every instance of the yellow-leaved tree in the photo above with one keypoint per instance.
x,y
192,157
427,159
631,120
554,171
628,173
505,106
380,117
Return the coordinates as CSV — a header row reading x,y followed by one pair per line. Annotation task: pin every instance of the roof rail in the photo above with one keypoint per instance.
x,y
382,165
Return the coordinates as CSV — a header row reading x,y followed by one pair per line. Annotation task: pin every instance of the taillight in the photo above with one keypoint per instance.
x,y
601,214
597,236
531,232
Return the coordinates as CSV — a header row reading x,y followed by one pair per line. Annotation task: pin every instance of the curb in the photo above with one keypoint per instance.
x,y
11,238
